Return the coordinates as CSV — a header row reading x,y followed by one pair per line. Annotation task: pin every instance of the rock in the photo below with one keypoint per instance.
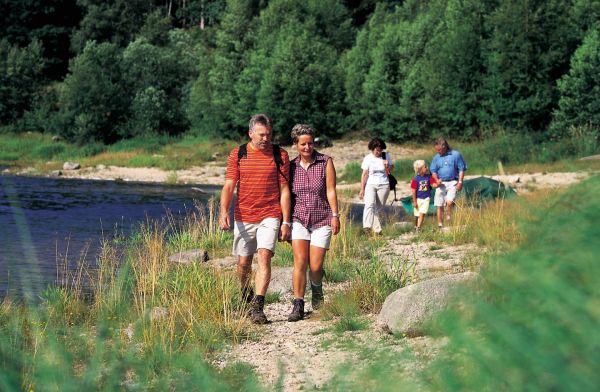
x,y
225,262
216,155
100,167
189,256
6,171
405,310
159,313
56,138
323,142
71,166
55,173
281,280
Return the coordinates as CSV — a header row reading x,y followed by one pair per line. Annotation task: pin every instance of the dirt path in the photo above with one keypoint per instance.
x,y
307,354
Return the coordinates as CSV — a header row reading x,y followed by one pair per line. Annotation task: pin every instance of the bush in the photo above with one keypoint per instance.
x,y
533,325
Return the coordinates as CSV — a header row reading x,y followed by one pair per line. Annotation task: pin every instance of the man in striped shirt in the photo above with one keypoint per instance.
x,y
263,200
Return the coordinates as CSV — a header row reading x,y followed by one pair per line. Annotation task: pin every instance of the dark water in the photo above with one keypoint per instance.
x,y
44,221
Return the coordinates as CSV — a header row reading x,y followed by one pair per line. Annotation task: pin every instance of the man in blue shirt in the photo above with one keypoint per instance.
x,y
448,170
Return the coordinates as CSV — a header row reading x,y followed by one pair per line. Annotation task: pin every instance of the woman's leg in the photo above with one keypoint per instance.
x,y
317,256
381,194
300,249
369,211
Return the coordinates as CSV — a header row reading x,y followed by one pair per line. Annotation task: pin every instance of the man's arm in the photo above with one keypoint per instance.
x,y
226,197
285,200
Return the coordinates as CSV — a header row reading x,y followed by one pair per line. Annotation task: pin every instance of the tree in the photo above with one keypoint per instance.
x,y
528,50
115,21
91,99
302,84
579,104
21,78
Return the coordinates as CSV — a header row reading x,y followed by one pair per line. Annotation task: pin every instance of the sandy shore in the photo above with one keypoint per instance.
x,y
213,173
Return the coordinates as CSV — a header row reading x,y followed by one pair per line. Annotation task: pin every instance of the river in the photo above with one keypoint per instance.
x,y
45,222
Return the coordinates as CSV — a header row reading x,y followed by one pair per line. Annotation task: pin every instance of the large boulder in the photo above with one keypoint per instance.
x,y
281,280
405,310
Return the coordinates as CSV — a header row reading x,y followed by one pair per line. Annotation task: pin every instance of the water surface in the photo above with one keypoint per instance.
x,y
45,222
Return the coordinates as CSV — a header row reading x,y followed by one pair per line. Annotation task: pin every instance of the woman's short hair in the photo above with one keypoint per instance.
x,y
419,163
376,142
301,129
262,119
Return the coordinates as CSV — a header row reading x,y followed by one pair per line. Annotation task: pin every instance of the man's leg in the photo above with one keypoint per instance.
x,y
440,216
244,270
263,272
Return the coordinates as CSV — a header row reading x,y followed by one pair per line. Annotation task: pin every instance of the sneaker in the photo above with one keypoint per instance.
x,y
317,296
257,314
297,311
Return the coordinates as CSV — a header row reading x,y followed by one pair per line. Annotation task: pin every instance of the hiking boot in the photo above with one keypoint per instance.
x,y
297,311
257,314
317,296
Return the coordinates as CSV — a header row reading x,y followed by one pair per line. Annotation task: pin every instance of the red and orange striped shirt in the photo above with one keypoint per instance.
x,y
258,182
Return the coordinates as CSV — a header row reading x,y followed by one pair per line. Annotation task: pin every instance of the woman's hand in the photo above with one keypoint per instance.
x,y
361,194
335,225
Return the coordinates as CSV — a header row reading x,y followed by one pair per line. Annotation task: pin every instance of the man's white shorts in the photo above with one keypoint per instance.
x,y
248,237
422,207
445,193
320,236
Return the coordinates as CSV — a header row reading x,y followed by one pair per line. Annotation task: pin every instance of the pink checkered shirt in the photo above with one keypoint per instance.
x,y
309,192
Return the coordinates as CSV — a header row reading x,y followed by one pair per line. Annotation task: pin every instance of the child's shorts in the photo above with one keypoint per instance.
x,y
423,206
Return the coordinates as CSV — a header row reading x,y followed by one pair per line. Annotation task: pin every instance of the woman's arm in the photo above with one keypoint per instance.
x,y
332,196
363,184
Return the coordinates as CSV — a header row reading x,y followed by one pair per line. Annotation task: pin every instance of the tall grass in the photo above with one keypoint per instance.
x,y
134,321
531,324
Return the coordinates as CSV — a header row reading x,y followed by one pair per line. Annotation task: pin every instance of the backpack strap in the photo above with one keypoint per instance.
x,y
242,152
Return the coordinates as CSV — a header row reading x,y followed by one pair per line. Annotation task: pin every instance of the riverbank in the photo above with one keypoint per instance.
x,y
347,156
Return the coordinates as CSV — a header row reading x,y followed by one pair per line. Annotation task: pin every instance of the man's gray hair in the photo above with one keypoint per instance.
x,y
262,119
440,141
301,129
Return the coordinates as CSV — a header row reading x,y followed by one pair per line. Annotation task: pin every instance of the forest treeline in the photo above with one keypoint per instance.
x,y
102,71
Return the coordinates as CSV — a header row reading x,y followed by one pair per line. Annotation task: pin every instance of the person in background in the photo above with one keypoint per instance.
x,y
263,199
421,186
374,184
315,216
448,170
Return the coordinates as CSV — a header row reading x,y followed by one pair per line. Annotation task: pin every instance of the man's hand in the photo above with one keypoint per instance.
x,y
224,221
361,194
459,185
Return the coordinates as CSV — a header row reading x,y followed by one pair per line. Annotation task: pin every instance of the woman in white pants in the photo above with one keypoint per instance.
x,y
374,184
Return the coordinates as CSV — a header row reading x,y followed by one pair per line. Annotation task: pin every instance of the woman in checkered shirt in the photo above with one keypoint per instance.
x,y
315,216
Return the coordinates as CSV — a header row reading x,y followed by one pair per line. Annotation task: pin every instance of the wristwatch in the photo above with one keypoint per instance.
x,y
288,224
335,215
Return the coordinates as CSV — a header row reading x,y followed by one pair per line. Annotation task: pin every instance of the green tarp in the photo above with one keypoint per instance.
x,y
475,190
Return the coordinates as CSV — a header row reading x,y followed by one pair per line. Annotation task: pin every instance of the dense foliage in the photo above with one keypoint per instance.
x,y
399,69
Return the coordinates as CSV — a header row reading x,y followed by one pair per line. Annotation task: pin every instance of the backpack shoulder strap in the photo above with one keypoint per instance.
x,y
383,155
277,159
242,152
